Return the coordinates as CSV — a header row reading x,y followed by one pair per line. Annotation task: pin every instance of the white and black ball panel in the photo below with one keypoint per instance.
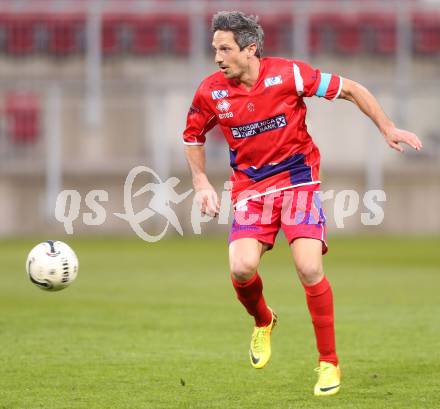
x,y
52,265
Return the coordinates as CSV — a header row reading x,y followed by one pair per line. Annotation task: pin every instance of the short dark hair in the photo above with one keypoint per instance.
x,y
245,28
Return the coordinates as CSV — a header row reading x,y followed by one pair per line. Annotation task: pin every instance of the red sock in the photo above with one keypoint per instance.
x,y
320,302
250,294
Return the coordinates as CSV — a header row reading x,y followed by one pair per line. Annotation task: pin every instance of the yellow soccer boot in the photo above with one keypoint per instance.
x,y
329,379
260,351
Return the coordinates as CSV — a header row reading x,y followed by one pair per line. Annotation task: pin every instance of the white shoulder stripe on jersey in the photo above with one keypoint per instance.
x,y
299,82
339,89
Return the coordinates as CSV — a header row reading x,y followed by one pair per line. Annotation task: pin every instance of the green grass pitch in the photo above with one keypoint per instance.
x,y
158,326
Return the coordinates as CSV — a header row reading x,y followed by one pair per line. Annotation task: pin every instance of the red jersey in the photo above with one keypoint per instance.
x,y
270,148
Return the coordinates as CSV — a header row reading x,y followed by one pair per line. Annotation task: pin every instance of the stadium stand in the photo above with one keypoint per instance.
x,y
148,34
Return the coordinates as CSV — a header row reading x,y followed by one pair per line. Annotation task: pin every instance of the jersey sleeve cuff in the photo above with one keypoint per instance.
x,y
339,89
193,143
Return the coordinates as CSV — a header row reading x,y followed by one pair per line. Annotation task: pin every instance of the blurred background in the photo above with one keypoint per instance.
x,y
90,89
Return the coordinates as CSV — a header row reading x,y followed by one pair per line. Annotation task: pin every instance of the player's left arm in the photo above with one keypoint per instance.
x,y
368,104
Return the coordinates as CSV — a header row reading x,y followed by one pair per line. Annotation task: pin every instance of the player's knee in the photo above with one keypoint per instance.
x,y
310,273
244,267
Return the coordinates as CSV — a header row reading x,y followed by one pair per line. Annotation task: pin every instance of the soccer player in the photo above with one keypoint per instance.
x,y
259,105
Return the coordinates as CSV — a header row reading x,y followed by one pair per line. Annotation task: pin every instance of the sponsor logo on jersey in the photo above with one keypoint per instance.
x,y
256,128
223,106
269,82
219,93
226,115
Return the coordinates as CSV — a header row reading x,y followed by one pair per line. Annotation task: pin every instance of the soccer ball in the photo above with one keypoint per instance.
x,y
52,265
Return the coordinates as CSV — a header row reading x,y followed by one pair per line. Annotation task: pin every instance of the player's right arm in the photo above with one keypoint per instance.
x,y
199,121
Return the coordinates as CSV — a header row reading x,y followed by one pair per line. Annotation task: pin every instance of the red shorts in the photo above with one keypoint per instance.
x,y
297,211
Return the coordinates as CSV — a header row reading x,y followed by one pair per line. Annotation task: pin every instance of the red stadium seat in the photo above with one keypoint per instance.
x,y
323,32
278,33
22,112
174,32
426,33
19,33
65,31
379,33
332,32
348,35
112,26
160,33
145,34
